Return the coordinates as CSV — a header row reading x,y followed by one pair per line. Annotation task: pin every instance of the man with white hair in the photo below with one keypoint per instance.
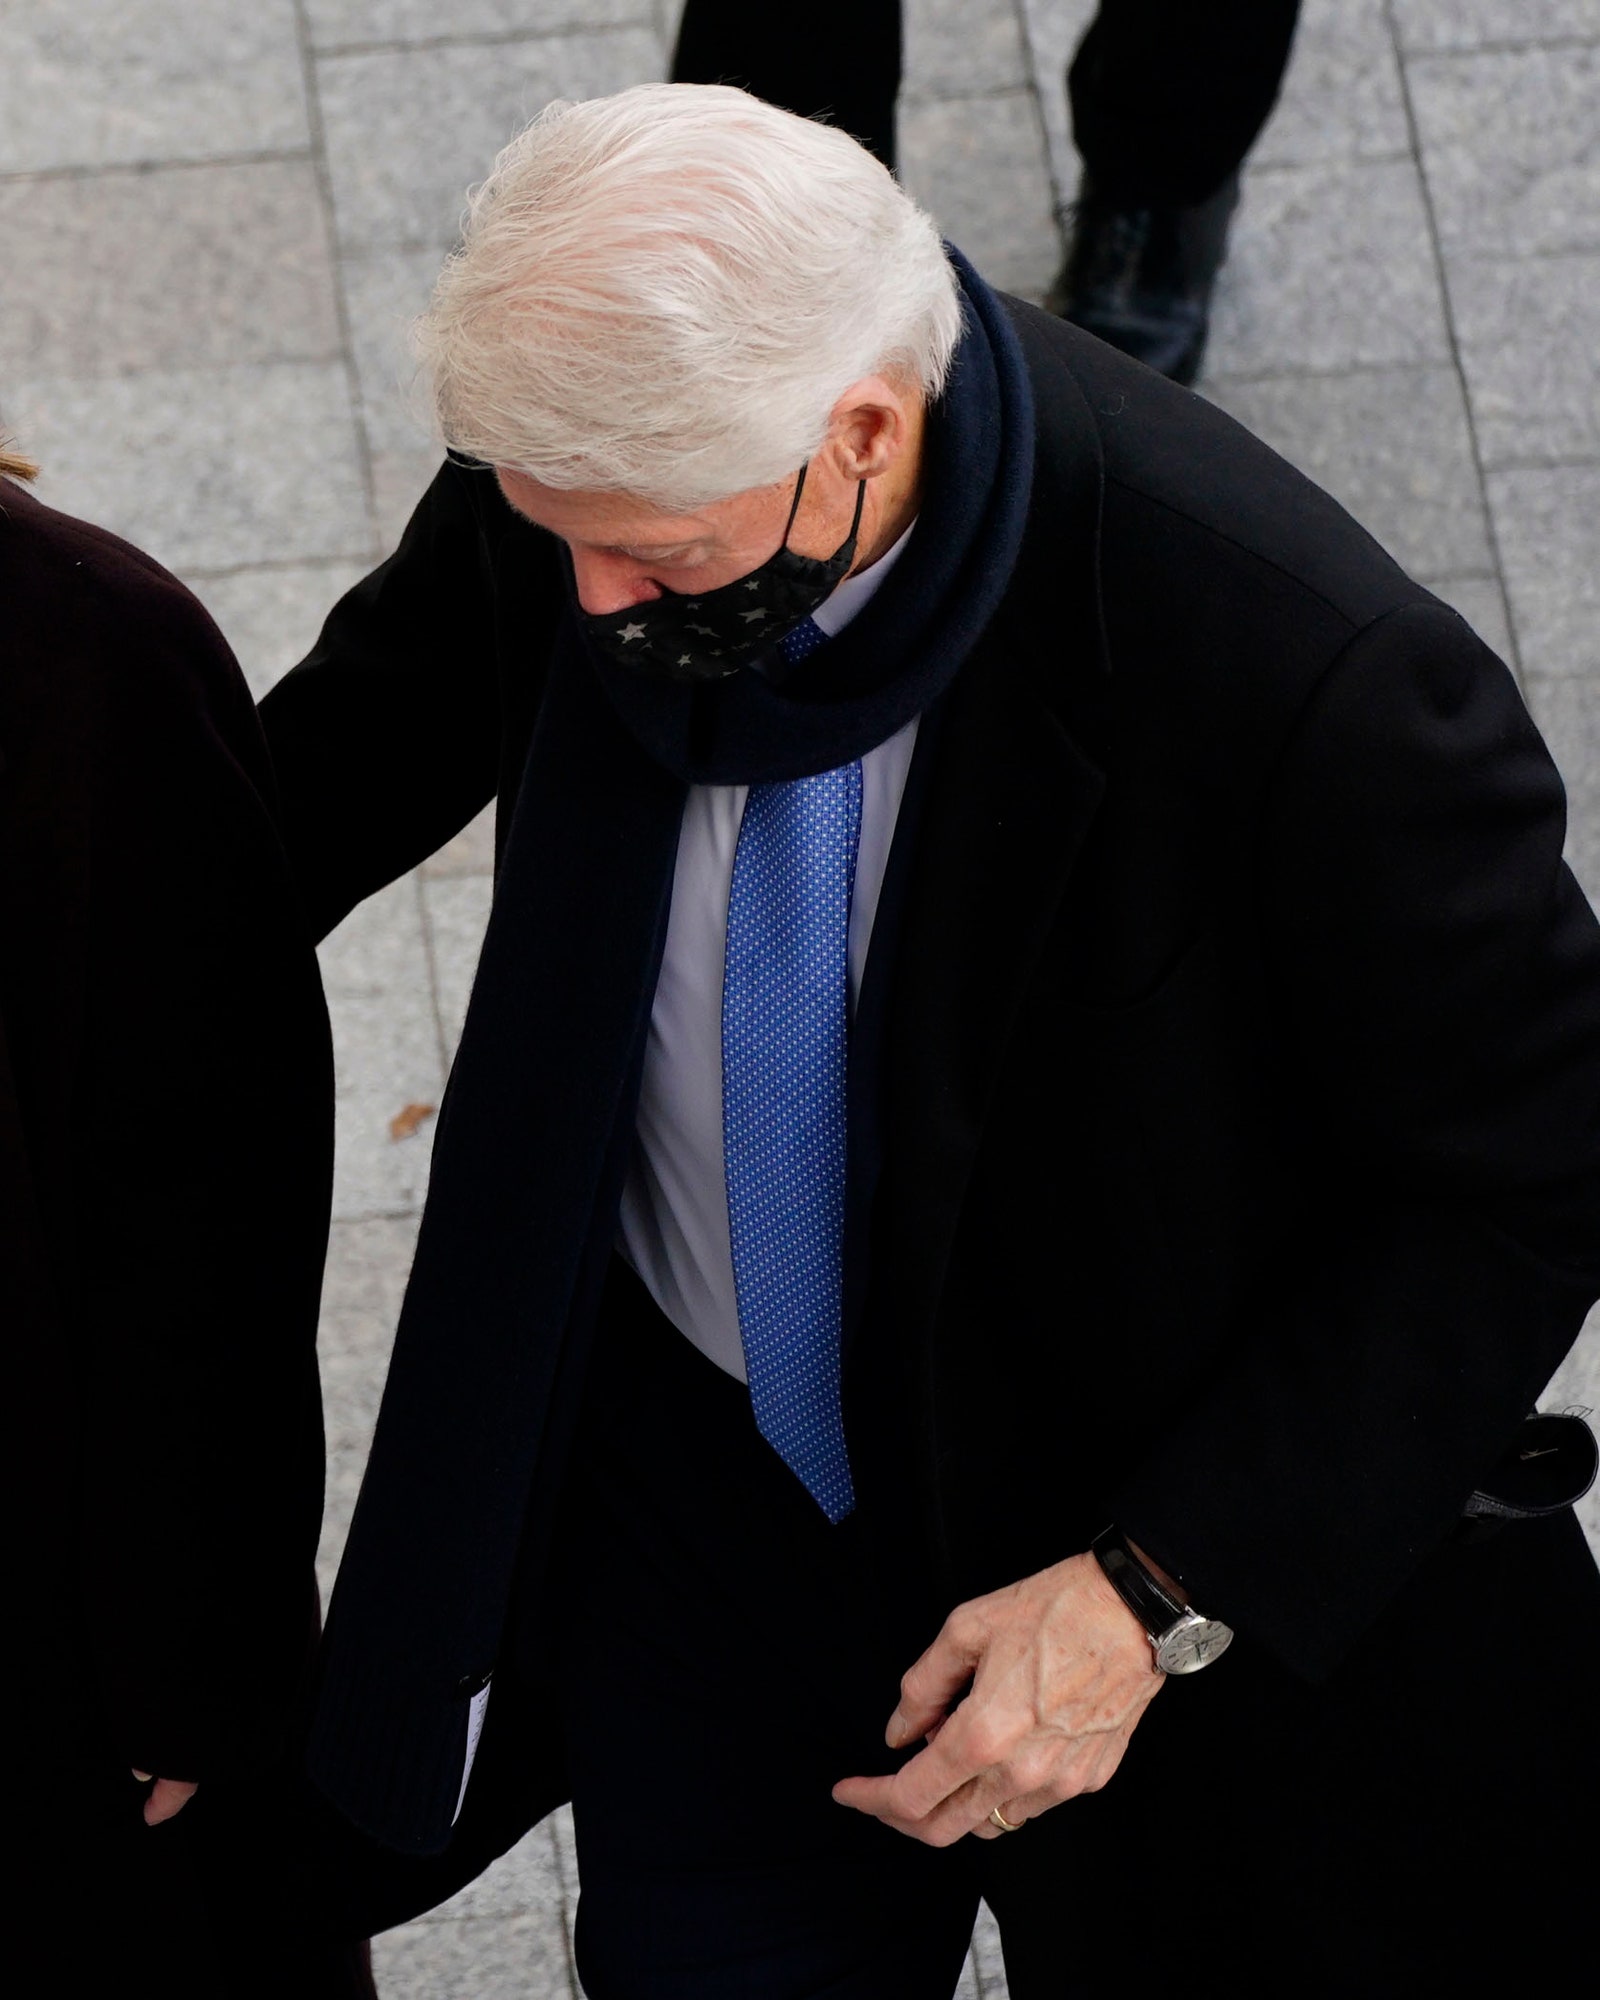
x,y
1031,1108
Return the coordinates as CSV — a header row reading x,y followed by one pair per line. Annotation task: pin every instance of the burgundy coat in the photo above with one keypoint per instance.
x,y
165,1172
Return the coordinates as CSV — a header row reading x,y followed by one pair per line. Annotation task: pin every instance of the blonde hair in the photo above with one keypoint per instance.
x,y
14,466
665,292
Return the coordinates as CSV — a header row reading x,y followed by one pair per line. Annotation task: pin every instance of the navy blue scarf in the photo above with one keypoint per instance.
x,y
904,649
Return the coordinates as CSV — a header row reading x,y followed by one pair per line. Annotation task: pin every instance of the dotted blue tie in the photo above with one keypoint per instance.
x,y
785,1029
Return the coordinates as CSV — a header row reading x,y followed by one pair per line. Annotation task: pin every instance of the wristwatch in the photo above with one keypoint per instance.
x,y
1183,1641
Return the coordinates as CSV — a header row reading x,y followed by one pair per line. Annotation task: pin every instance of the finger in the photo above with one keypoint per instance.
x,y
876,1796
168,1797
980,1739
1011,1811
963,1812
865,1795
970,1810
930,1686
143,1777
934,1775
966,1748
1071,1780
908,1795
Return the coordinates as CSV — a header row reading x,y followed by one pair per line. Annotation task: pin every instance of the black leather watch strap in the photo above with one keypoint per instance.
x,y
1156,1609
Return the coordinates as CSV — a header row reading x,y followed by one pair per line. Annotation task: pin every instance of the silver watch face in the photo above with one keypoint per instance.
x,y
1194,1642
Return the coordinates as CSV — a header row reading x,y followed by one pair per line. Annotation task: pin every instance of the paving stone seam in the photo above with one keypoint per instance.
x,y
357,1217
212,573
430,959
219,371
978,94
1386,156
1215,377
486,39
1455,52
1556,463
1555,254
1439,580
569,1953
377,248
559,1829
442,1914
311,84
1063,199
263,157
1060,202
1453,338
1269,169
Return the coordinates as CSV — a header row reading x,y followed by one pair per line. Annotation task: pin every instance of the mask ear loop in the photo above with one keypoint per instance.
x,y
855,525
800,487
794,507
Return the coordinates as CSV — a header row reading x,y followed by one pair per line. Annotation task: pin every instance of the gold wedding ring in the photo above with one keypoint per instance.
x,y
998,1818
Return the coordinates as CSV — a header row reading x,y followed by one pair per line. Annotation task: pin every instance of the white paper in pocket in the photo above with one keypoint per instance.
x,y
475,1715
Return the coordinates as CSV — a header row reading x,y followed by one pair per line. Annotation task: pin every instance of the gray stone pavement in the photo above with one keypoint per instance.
x,y
216,217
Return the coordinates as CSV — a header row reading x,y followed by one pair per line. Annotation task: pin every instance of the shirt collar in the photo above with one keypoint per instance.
x,y
841,605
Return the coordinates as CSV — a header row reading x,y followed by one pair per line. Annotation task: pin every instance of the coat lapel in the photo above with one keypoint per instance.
x,y
1011,798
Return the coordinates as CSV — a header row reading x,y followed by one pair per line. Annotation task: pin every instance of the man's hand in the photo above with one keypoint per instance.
x,y
1061,1672
168,1797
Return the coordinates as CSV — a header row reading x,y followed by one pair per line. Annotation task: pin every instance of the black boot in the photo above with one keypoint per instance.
x,y
1141,278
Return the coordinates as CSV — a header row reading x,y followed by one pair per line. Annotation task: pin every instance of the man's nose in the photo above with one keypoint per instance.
x,y
608,583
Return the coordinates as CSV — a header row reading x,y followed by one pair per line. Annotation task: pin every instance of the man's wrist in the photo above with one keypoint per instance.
x,y
1168,1582
1181,1638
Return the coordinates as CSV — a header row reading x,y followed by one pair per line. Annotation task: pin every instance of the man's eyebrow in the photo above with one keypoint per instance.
x,y
657,549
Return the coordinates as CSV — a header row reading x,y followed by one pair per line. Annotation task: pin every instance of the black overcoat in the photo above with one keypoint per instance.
x,y
1241,1109
165,1176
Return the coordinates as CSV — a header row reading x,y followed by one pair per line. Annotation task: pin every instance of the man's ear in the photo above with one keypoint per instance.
x,y
870,426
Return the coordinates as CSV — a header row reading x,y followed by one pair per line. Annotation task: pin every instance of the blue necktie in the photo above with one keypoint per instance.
x,y
785,1030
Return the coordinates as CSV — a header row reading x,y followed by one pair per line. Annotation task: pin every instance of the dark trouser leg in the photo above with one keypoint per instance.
x,y
841,57
1167,98
1168,95
724,1662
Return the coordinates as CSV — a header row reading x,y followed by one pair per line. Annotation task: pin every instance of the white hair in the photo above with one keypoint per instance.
x,y
665,292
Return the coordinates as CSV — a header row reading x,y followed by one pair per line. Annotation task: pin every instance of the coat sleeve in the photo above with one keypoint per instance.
x,y
386,738
203,1168
1437,973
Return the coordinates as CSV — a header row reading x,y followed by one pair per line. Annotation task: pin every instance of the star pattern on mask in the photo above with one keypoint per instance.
x,y
724,637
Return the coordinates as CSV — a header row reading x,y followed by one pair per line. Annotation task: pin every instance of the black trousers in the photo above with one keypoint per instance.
x,y
722,1657
726,1656
1167,95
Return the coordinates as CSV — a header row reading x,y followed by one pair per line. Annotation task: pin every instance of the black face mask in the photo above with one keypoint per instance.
x,y
708,637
